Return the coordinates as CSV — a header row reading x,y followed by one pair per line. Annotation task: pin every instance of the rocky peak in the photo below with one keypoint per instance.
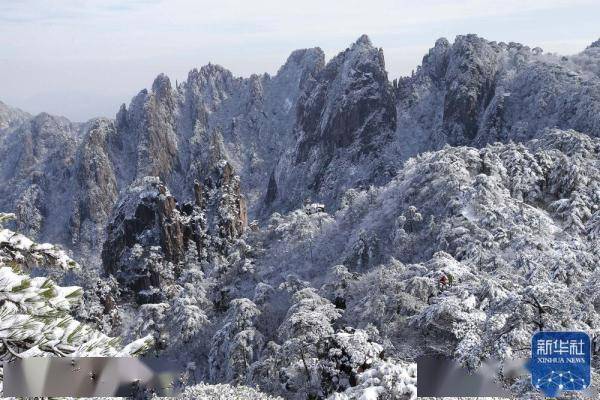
x,y
212,70
10,116
162,86
474,91
313,130
147,132
149,223
352,100
45,126
595,44
302,65
121,117
97,185
305,58
442,43
212,82
344,114
36,167
473,64
435,62
363,40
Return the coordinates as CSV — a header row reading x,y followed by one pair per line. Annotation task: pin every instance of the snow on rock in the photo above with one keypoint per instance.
x,y
10,117
20,249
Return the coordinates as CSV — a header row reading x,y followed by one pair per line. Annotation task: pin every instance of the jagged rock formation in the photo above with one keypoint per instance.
x,y
10,117
475,92
178,134
148,222
344,118
96,186
311,131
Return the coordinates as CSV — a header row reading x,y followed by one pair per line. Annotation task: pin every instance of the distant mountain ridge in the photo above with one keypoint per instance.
x,y
10,116
311,131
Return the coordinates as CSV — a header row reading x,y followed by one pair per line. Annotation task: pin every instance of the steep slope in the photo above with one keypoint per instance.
x,y
97,181
10,117
464,201
255,122
63,179
344,118
475,92
317,298
36,173
180,133
315,303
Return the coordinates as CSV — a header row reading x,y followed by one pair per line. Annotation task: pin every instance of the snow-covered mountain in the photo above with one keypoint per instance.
x,y
10,117
481,92
289,232
312,131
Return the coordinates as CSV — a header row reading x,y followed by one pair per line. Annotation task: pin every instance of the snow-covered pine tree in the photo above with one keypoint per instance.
x,y
35,313
309,319
236,345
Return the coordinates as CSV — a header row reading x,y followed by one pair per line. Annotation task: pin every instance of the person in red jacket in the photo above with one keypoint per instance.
x,y
443,281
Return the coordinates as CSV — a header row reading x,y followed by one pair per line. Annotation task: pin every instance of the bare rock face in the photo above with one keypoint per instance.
x,y
344,117
151,234
474,92
351,100
470,83
435,62
97,186
249,122
148,224
147,128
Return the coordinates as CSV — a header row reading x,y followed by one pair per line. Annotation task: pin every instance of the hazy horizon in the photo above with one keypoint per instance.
x,y
82,59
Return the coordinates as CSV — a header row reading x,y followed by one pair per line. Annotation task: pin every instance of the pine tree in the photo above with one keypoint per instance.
x,y
236,345
35,313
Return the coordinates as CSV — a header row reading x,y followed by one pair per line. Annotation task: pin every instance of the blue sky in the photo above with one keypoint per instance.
x,y
83,58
